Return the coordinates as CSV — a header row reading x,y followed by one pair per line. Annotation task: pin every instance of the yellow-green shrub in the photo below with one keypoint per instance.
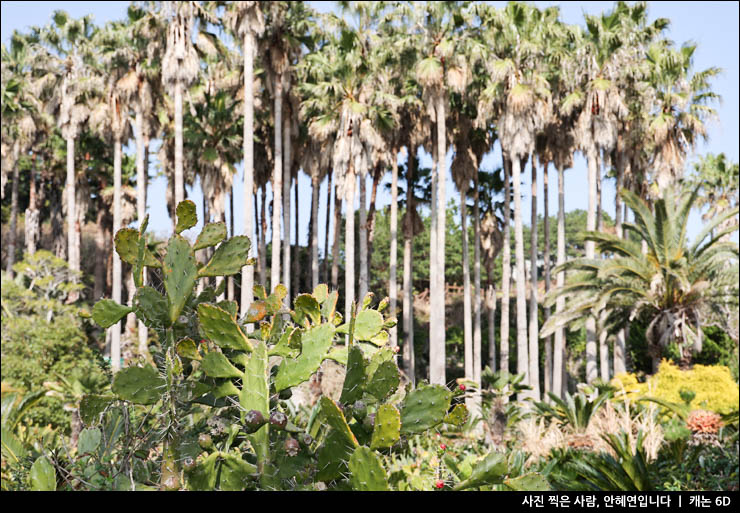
x,y
713,384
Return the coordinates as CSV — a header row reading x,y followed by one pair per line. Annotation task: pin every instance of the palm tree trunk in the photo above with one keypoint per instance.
x,y
143,333
506,271
325,261
314,235
349,243
534,359
620,341
392,285
263,237
248,193
101,257
335,245
559,338
437,320
74,262
230,279
409,363
467,306
491,308
32,225
371,218
477,360
286,201
115,352
277,185
13,220
546,216
363,237
179,176
522,356
295,280
603,348
591,369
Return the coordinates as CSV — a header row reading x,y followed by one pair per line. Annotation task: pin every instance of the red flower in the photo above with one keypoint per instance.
x,y
439,485
442,446
462,387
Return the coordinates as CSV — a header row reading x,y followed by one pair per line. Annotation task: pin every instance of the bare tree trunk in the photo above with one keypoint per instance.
x,y
32,221
559,338
363,237
295,280
546,216
179,176
591,368
115,352
277,185
534,353
409,364
477,357
13,220
57,223
371,218
620,342
286,202
521,300
335,245
141,172
603,348
248,194
72,255
392,285
437,363
263,237
467,306
101,257
314,230
491,308
230,279
325,262
349,243
506,270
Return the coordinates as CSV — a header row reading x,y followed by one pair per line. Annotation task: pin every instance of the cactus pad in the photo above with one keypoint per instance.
x,y
306,307
91,406
333,456
316,341
220,327
458,416
255,394
216,365
424,408
180,274
212,234
127,247
256,312
367,324
320,293
532,482
387,427
385,380
335,418
229,258
491,470
107,312
151,308
186,348
186,217
367,473
140,385
329,306
355,376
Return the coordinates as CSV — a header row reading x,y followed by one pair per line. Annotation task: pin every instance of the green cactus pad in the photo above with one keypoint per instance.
x,y
280,291
229,258
259,292
379,357
151,308
43,477
225,388
387,429
180,274
107,312
335,418
283,347
230,306
186,348
338,354
329,307
315,341
255,394
306,307
212,234
367,324
127,247
140,385
380,339
458,416
192,390
216,365
355,376
367,472
235,473
532,482
320,293
203,476
91,406
424,408
186,217
385,380
88,441
333,456
491,470
221,328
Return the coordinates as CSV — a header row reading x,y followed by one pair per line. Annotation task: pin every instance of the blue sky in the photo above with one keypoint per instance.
x,y
712,25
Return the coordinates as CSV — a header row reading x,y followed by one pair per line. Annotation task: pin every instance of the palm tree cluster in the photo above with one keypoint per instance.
x,y
343,98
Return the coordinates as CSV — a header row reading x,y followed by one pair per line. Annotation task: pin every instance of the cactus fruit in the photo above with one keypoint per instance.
x,y
278,419
205,441
253,420
439,485
188,463
292,447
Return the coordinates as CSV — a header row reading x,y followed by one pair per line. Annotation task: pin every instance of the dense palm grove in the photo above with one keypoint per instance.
x,y
563,302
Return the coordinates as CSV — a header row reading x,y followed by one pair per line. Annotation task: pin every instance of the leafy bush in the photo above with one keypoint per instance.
x,y
42,337
713,385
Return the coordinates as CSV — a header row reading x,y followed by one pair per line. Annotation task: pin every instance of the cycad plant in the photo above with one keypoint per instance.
x,y
677,286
